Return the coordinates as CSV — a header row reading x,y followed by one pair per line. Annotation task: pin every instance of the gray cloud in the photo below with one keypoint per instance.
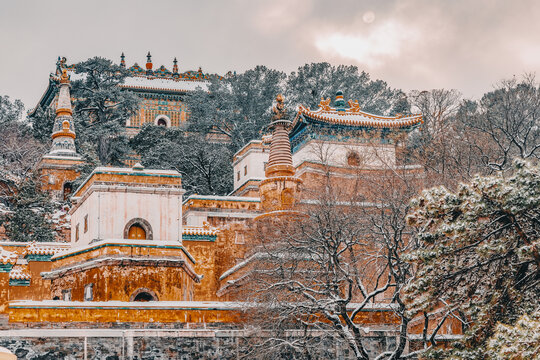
x,y
412,44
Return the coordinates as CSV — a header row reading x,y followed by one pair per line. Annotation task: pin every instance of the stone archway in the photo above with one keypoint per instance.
x,y
143,224
162,120
143,295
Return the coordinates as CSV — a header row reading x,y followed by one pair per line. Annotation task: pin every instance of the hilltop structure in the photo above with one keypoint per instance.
x,y
161,91
140,254
59,167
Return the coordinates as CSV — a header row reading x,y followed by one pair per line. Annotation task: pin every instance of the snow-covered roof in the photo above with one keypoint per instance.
x,y
355,117
8,256
195,230
133,171
119,242
161,84
20,272
221,198
35,248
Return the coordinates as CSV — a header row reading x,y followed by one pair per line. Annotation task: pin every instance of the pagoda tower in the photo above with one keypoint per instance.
x,y
59,167
280,190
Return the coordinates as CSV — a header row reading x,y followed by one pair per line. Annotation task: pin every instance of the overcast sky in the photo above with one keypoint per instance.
x,y
468,45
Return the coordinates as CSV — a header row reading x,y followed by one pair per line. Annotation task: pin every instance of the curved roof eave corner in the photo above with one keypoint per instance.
x,y
47,97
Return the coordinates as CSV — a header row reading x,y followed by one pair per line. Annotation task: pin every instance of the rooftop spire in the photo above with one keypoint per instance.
x,y
340,102
148,64
280,189
63,135
280,158
123,60
175,67
63,107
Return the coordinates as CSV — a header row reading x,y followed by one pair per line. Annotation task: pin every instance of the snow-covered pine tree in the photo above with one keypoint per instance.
x,y
19,153
313,81
236,107
478,254
205,165
102,108
31,210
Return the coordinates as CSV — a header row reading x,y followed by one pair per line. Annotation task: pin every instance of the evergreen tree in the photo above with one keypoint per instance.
x,y
102,109
205,165
42,121
314,81
479,254
30,212
19,151
518,342
236,108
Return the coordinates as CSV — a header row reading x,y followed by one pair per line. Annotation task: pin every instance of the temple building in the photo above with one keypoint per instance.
x,y
141,253
160,89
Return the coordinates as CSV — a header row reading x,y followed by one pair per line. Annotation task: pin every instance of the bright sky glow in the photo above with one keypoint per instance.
x,y
370,47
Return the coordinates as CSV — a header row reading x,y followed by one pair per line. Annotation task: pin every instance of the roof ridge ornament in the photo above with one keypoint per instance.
x,y
149,64
175,68
354,106
279,110
325,104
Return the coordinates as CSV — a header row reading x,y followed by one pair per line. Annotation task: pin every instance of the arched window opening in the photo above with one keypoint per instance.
x,y
144,296
136,232
138,229
67,189
161,122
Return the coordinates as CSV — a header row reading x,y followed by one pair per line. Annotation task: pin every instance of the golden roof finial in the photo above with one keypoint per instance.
x,y
64,78
279,110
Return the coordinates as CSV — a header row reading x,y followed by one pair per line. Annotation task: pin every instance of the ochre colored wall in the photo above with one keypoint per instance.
x,y
59,171
39,288
94,314
4,291
118,283
214,258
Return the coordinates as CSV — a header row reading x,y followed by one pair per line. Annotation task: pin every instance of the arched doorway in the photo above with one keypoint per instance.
x,y
138,229
162,120
136,232
143,294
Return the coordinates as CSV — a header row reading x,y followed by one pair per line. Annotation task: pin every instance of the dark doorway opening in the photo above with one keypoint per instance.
x,y
144,296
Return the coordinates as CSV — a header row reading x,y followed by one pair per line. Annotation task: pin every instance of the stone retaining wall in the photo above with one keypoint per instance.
x,y
145,344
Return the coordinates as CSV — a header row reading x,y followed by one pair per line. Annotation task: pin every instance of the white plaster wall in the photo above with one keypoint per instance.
x,y
110,211
335,154
255,160
88,207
